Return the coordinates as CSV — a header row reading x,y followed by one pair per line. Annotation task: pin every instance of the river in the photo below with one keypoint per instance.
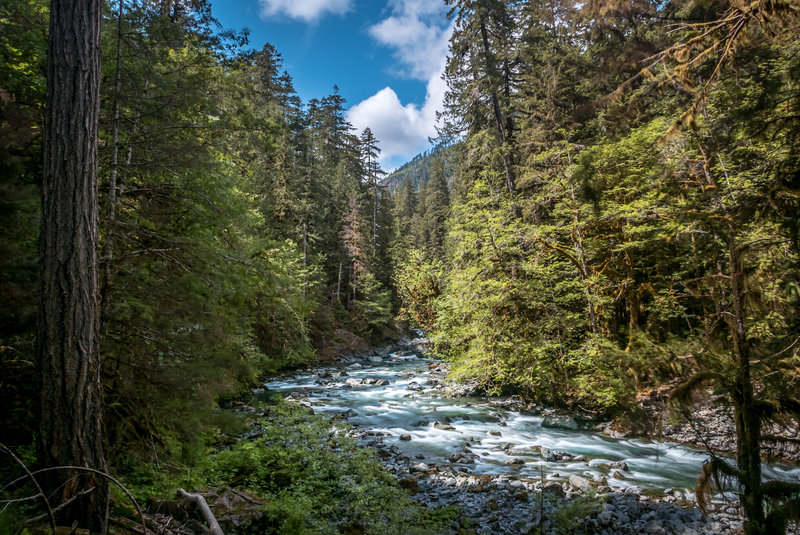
x,y
397,401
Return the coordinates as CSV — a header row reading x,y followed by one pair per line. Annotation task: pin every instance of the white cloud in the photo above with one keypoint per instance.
x,y
402,129
307,10
415,33
417,45
420,43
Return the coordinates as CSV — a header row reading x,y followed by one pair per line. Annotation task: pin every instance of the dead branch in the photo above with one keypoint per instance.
x,y
81,469
50,515
205,509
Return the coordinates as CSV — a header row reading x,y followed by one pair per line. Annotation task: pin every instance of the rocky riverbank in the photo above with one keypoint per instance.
x,y
710,424
508,503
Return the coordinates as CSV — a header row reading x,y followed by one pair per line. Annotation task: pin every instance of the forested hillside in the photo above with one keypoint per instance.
x,y
615,215
626,215
417,171
239,227
628,189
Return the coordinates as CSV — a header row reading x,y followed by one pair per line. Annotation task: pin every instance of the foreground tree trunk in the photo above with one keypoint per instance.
x,y
71,429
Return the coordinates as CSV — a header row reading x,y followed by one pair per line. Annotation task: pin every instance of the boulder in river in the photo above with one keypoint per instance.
x,y
560,421
619,465
548,455
353,381
405,436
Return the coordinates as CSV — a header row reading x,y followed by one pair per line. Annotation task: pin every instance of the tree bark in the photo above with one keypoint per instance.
x,y
748,420
374,217
71,426
498,118
339,282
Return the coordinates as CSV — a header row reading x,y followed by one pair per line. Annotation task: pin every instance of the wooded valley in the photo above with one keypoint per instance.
x,y
611,214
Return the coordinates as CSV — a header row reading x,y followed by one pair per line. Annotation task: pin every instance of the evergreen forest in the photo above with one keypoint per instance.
x,y
609,219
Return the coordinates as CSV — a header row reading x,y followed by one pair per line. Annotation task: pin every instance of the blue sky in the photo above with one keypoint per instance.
x,y
386,57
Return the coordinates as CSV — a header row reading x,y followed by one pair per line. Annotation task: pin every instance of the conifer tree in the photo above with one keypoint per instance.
x,y
71,431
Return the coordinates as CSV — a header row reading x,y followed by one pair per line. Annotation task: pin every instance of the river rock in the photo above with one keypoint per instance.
x,y
619,465
548,455
381,382
405,436
579,482
552,487
513,462
633,490
560,421
418,467
352,381
443,427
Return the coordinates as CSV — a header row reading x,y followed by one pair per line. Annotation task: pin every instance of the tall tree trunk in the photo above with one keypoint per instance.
x,y
305,258
374,217
339,283
748,421
71,416
577,238
498,118
633,301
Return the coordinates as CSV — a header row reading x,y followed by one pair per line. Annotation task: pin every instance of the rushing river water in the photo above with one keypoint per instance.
x,y
397,396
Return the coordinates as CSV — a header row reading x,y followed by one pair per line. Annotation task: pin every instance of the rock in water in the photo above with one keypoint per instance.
x,y
560,421
620,465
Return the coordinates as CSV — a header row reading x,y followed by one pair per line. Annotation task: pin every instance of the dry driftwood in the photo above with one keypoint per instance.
x,y
204,509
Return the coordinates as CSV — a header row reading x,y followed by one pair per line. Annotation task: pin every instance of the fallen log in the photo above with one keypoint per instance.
x,y
204,509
